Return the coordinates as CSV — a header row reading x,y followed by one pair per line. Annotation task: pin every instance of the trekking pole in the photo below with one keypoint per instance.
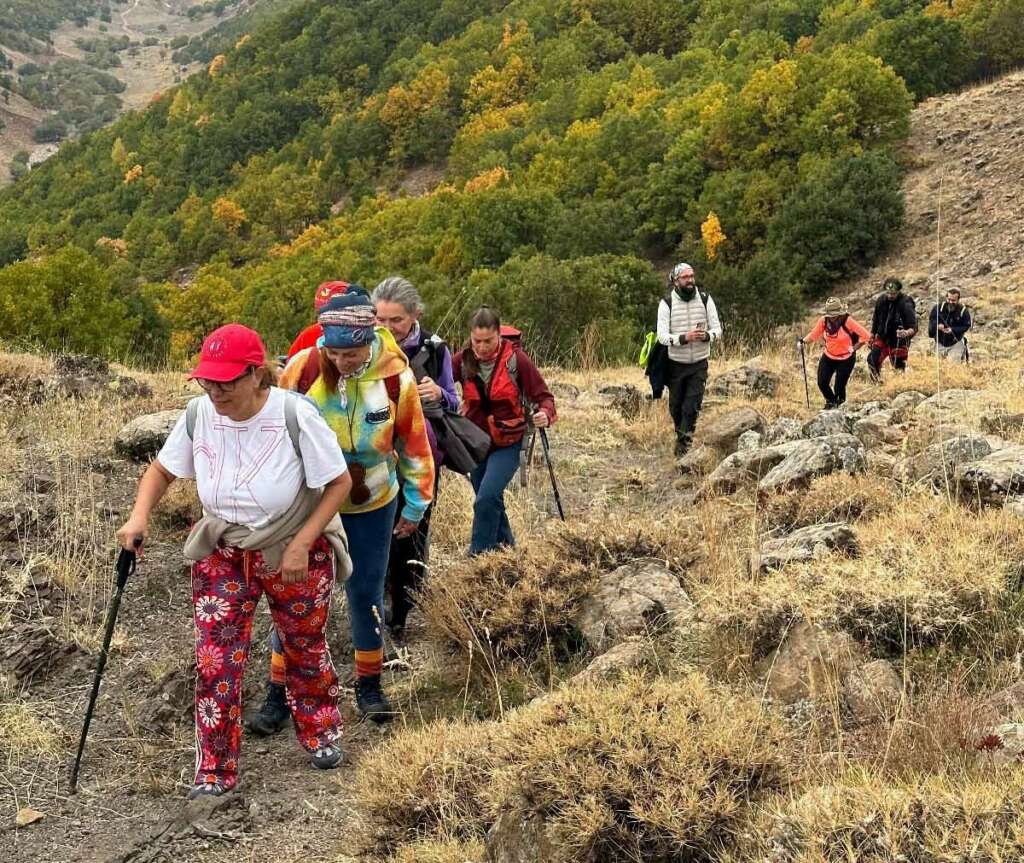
x,y
803,365
551,471
125,568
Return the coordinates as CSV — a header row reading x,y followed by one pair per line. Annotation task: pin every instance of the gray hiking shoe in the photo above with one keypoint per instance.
x,y
327,758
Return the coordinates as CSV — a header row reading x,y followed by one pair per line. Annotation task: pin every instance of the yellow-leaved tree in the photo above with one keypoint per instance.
x,y
228,214
713,236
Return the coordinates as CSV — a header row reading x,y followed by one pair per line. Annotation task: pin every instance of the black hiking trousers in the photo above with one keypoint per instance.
x,y
686,383
405,566
841,370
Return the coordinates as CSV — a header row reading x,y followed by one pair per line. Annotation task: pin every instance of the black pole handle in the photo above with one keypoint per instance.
x,y
125,566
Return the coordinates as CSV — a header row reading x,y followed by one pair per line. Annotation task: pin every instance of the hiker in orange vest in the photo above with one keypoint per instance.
x,y
501,390
843,336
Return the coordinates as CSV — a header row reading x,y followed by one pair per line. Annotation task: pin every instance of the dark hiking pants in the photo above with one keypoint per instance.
x,y
406,566
686,382
841,370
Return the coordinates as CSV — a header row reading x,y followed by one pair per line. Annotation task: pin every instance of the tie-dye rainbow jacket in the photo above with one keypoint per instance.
x,y
385,441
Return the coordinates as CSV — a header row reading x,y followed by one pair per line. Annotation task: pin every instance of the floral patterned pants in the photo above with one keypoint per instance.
x,y
226,588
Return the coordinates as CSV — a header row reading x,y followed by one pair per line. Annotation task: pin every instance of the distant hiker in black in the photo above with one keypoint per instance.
x,y
893,325
687,324
948,324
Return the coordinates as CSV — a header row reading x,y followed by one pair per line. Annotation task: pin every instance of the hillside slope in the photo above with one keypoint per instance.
x,y
964,203
843,679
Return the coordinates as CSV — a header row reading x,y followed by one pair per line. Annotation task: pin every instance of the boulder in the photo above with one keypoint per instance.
x,y
749,441
952,406
741,467
519,836
724,430
563,391
827,422
804,544
700,459
810,663
906,401
1007,704
992,479
864,410
142,438
938,463
630,654
748,380
872,692
626,399
1015,505
813,458
632,600
784,430
878,429
82,376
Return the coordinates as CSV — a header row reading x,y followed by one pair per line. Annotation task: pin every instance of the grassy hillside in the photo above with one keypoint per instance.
x,y
566,144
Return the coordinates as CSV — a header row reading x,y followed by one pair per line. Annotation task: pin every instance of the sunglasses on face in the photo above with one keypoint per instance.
x,y
360,493
222,386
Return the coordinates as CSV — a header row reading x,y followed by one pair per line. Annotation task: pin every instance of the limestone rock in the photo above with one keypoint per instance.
x,y
697,460
626,399
878,429
906,401
748,380
142,438
813,458
1015,505
632,600
724,430
810,663
519,838
563,391
827,422
784,430
938,463
873,692
630,654
953,406
81,376
749,441
741,467
1008,704
993,479
1001,423
804,544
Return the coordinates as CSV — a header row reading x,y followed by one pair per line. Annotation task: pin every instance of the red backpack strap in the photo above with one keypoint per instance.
x,y
394,387
310,371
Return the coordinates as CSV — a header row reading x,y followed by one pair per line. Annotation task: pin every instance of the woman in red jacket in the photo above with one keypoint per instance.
x,y
842,335
502,392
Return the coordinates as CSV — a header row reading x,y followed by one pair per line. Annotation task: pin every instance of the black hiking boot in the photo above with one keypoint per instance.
x,y
371,701
273,715
682,447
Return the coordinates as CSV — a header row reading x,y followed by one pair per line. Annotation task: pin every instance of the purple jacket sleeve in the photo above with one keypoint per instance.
x,y
446,382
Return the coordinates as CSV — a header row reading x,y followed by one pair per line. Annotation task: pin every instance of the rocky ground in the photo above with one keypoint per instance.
x,y
801,642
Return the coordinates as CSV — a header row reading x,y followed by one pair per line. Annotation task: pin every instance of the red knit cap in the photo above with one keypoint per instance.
x,y
326,291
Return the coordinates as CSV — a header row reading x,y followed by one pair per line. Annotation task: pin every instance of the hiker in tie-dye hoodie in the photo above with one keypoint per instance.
x,y
367,393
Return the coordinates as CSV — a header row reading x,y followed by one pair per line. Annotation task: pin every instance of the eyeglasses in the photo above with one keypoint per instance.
x,y
360,493
223,386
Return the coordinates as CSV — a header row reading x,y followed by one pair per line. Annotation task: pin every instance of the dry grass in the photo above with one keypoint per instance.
x,y
630,771
26,733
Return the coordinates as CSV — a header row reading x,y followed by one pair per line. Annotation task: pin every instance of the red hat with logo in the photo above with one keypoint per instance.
x,y
227,352
327,291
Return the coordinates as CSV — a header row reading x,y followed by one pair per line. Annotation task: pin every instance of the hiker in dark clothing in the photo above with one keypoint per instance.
x,y
399,308
687,325
893,325
948,324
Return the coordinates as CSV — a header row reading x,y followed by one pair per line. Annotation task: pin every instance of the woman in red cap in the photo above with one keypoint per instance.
x,y
271,477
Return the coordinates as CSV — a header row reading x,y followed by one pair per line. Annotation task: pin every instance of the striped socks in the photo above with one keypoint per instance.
x,y
369,662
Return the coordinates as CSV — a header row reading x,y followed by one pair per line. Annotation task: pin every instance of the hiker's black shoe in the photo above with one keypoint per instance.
x,y
327,758
682,448
273,715
370,699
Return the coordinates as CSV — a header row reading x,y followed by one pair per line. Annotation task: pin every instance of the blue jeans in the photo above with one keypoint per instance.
x,y
490,478
369,542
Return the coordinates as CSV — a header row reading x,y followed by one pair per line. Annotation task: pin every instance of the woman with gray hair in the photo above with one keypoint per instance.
x,y
399,308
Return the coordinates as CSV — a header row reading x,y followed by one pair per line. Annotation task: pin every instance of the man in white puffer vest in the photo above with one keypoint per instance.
x,y
687,325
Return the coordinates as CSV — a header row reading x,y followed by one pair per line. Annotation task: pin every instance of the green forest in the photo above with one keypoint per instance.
x,y
566,147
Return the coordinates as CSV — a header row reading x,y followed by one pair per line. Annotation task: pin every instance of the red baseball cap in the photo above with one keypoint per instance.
x,y
326,291
227,352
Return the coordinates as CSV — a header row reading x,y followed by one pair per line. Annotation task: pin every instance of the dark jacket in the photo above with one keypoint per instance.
x,y
892,315
955,316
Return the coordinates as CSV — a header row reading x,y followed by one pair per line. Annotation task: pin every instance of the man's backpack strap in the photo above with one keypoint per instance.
x,y
704,297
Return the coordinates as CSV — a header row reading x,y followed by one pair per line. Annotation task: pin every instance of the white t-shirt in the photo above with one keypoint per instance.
x,y
248,472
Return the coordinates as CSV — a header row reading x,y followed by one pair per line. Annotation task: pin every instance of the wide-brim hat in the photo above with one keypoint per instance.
x,y
834,307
